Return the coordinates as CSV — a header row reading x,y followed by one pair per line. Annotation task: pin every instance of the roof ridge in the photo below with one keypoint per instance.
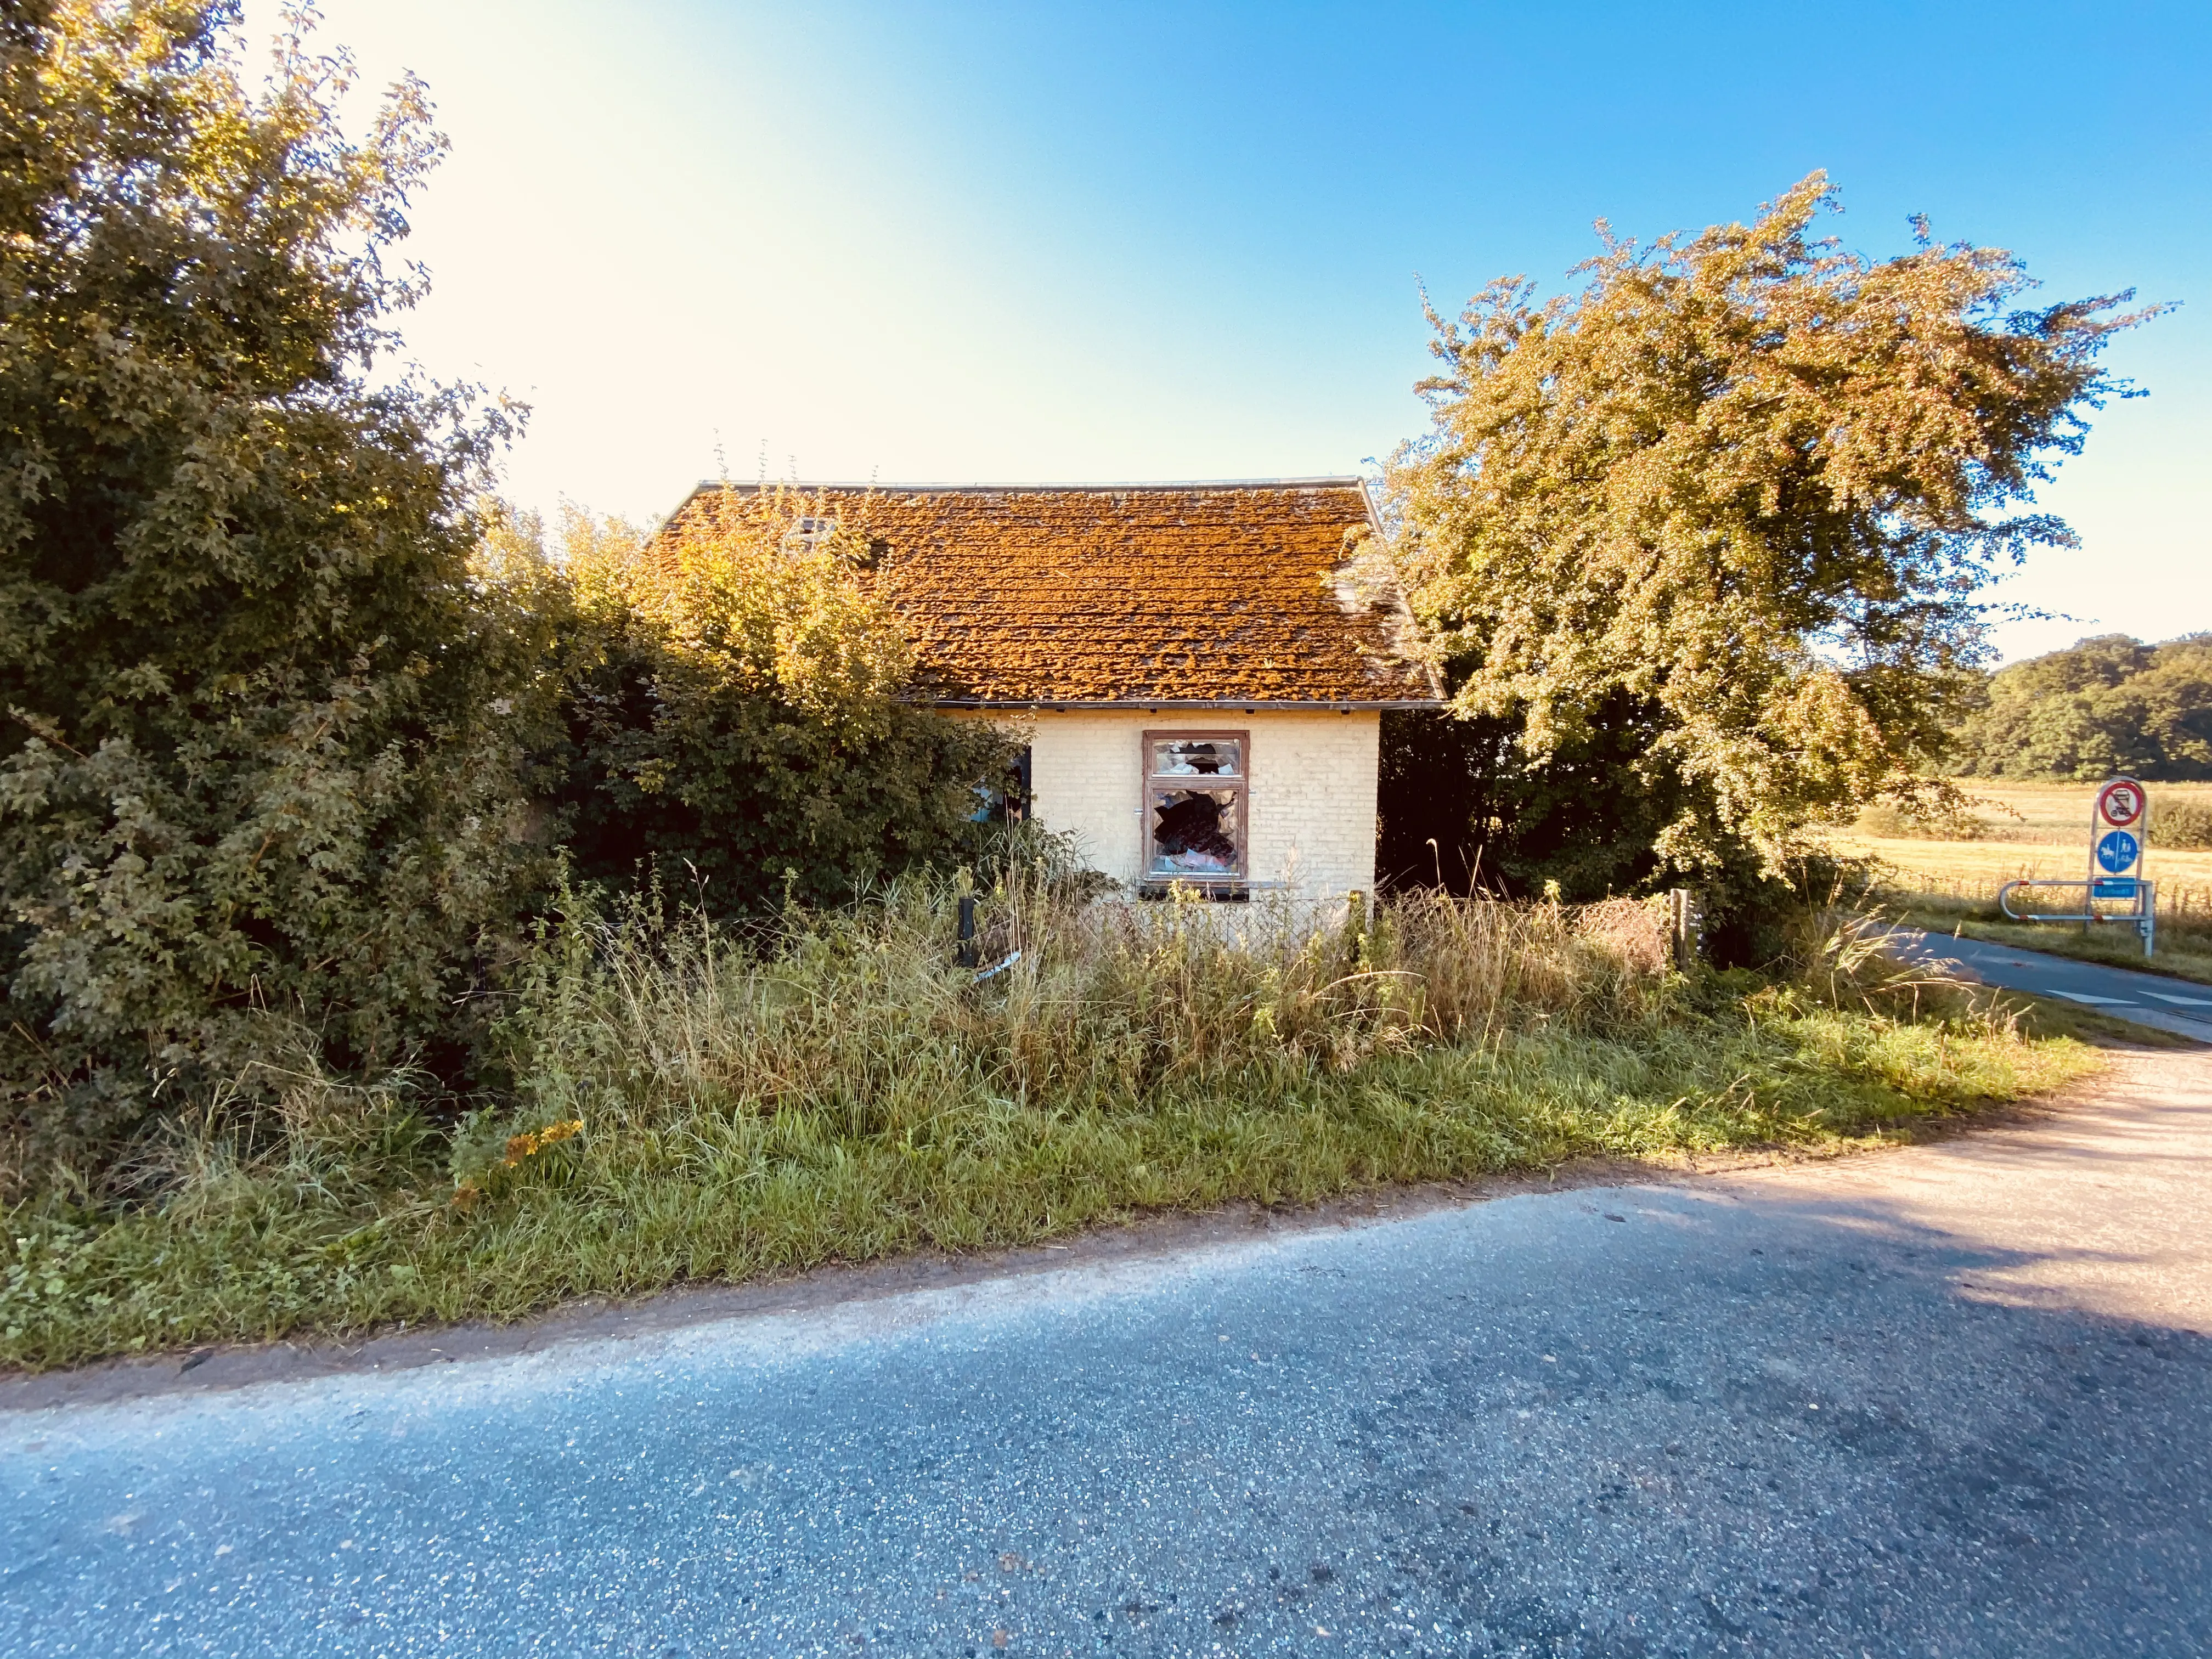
x,y
1337,480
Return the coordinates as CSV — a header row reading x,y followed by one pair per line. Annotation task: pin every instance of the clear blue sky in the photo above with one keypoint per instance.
x,y
967,242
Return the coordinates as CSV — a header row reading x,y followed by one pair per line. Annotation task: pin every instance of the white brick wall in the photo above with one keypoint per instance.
x,y
1311,804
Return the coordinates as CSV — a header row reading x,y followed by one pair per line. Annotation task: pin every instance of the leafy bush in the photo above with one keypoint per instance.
x,y
731,698
261,774
295,722
1465,810
1891,821
1465,806
1885,819
2181,824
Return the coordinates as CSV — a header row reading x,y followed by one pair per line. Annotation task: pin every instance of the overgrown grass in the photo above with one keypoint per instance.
x,y
691,1104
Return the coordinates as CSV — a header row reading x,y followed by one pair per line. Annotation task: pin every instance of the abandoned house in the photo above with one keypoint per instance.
x,y
1200,669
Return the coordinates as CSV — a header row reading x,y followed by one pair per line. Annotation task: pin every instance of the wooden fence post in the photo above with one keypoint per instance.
x,y
1683,920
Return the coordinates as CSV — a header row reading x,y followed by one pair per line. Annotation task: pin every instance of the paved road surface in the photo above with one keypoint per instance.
x,y
2171,1004
1955,1400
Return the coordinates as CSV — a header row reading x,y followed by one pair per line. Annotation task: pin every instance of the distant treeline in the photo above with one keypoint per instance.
x,y
2103,705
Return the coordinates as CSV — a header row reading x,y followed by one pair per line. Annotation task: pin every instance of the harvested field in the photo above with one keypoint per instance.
x,y
2037,830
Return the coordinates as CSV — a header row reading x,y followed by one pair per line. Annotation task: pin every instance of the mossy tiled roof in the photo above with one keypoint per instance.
x,y
1135,593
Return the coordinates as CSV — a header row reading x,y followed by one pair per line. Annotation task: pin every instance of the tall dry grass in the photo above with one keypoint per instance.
x,y
864,1016
687,1101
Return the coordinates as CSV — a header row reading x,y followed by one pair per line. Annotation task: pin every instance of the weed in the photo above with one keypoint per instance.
x,y
696,1102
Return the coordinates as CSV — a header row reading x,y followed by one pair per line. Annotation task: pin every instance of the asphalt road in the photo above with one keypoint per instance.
x,y
2171,1004
1954,1399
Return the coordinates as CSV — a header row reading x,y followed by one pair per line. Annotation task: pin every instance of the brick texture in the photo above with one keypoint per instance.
x,y
1311,802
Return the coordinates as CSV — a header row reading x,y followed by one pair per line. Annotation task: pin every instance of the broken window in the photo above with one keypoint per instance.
x,y
1195,810
1006,799
1207,758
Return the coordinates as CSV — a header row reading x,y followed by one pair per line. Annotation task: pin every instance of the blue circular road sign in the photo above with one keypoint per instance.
x,y
2118,851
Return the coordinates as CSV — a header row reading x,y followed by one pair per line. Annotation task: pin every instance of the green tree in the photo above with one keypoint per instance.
x,y
731,698
261,773
1719,522
2103,705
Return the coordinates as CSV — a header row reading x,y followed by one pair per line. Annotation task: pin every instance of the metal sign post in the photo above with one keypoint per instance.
x,y
2119,825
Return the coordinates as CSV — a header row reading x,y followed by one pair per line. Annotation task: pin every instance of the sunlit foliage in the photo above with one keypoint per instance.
x,y
258,772
1719,522
730,697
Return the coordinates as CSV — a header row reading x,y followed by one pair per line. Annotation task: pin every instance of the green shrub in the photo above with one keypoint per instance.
x,y
1889,821
2181,824
291,722
261,771
734,717
1884,820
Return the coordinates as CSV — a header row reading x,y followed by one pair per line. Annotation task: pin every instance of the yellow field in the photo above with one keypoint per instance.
x,y
2006,860
2045,833
2057,814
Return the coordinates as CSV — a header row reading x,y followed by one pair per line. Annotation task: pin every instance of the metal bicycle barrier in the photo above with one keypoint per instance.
x,y
2119,829
2143,893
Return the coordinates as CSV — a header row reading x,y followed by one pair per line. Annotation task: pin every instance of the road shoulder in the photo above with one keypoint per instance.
x,y
599,1321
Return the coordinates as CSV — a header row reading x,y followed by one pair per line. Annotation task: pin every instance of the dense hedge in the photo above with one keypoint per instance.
x,y
293,726
730,717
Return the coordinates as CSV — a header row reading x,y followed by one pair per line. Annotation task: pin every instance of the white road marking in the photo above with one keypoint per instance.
x,y
2100,1002
2186,1002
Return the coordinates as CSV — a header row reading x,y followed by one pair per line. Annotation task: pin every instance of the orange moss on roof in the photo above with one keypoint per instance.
x,y
1167,593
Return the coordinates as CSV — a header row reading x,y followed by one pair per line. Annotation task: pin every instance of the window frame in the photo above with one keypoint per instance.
x,y
1153,886
1007,799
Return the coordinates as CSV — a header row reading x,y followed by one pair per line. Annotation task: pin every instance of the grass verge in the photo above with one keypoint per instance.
x,y
686,1107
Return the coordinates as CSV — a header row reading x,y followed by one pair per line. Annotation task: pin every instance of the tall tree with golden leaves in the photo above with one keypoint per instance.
x,y
1727,514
